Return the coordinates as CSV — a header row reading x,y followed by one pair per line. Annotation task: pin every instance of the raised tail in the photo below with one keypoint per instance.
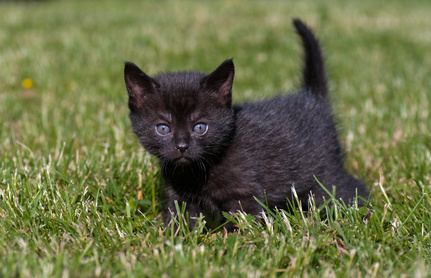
x,y
314,74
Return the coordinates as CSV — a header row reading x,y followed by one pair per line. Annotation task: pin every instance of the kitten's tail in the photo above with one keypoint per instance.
x,y
313,74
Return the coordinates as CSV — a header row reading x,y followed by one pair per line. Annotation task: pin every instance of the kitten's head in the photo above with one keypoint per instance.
x,y
182,118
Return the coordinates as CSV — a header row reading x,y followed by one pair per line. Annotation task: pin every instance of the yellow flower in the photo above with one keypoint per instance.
x,y
72,86
27,83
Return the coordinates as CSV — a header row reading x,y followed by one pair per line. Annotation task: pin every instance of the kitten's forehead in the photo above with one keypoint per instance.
x,y
180,92
180,81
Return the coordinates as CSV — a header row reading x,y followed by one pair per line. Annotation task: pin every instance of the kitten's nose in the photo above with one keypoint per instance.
x,y
182,147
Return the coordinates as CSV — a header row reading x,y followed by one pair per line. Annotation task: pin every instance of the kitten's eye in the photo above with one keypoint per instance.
x,y
162,129
200,128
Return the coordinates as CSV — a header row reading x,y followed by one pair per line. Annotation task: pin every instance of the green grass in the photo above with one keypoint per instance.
x,y
80,198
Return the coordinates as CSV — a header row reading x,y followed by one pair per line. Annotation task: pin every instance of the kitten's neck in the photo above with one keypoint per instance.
x,y
189,179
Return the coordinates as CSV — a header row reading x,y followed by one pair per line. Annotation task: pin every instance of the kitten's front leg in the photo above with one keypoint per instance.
x,y
247,204
191,211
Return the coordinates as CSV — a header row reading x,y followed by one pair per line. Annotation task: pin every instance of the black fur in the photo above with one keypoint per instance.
x,y
255,150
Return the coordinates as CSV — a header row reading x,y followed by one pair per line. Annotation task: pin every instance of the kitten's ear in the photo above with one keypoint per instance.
x,y
138,84
220,81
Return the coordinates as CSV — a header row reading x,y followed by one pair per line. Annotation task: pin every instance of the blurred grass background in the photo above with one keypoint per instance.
x,y
79,194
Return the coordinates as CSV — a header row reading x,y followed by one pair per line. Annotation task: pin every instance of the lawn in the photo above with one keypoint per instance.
x,y
80,198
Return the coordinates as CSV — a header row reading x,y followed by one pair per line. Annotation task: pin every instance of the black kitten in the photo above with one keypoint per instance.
x,y
217,157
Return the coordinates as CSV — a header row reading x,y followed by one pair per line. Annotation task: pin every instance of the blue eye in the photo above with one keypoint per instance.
x,y
162,129
200,128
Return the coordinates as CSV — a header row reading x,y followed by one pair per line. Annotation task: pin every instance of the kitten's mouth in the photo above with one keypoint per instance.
x,y
183,160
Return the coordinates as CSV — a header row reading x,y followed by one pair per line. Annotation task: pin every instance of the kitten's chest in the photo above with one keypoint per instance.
x,y
228,179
